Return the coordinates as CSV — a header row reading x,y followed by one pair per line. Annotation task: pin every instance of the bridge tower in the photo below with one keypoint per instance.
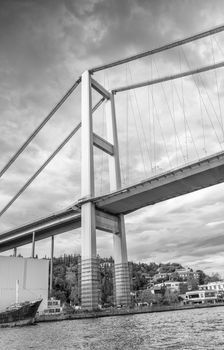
x,y
89,272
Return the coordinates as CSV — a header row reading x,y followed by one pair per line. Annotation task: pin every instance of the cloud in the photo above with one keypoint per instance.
x,y
45,46
215,223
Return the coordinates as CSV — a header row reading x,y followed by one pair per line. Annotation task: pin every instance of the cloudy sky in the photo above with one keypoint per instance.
x,y
45,45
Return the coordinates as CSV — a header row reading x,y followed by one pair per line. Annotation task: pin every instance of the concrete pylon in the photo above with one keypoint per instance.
x,y
89,273
89,264
121,269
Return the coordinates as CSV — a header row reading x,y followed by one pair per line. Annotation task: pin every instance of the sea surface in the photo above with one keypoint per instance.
x,y
188,329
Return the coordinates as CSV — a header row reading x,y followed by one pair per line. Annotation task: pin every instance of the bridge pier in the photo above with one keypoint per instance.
x,y
51,265
121,269
33,245
15,251
89,266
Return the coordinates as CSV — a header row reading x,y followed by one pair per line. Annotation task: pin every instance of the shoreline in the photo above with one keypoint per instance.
x,y
120,312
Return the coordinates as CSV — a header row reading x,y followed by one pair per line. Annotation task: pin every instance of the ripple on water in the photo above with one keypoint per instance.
x,y
174,330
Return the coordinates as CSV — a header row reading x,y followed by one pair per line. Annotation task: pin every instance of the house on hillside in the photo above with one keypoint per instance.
x,y
218,286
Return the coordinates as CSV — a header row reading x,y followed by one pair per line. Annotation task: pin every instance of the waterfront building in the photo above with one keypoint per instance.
x,y
201,297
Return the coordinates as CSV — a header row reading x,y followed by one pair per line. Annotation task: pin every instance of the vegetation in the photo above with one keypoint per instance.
x,y
67,286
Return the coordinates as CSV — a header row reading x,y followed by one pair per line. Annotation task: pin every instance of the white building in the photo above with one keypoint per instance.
x,y
161,276
32,275
187,273
173,286
201,297
218,286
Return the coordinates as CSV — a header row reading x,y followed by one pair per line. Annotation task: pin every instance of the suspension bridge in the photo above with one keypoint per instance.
x,y
182,151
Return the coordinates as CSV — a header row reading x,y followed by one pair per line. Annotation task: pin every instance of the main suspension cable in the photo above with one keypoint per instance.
x,y
189,39
36,131
43,166
169,77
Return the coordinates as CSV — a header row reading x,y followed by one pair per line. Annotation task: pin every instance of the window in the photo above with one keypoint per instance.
x,y
193,296
210,294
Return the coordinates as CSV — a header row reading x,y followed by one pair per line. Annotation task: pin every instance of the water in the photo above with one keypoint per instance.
x,y
188,329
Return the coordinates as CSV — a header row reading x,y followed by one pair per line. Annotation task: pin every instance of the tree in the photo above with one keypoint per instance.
x,y
106,286
192,283
60,294
201,276
147,296
74,295
66,279
215,277
72,283
175,277
170,297
59,271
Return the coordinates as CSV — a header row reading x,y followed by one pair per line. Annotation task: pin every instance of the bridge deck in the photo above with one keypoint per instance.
x,y
207,172
52,225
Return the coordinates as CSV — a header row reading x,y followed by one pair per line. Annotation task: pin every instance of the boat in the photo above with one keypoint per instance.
x,y
20,314
53,307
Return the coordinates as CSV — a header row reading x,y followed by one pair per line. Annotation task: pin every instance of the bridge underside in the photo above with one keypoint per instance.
x,y
55,224
201,174
194,176
43,228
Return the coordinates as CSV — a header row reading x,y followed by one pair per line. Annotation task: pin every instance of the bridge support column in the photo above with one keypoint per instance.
x,y
51,265
121,271
89,267
33,245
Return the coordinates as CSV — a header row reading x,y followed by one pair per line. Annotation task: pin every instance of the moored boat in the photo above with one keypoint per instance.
x,y
19,314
